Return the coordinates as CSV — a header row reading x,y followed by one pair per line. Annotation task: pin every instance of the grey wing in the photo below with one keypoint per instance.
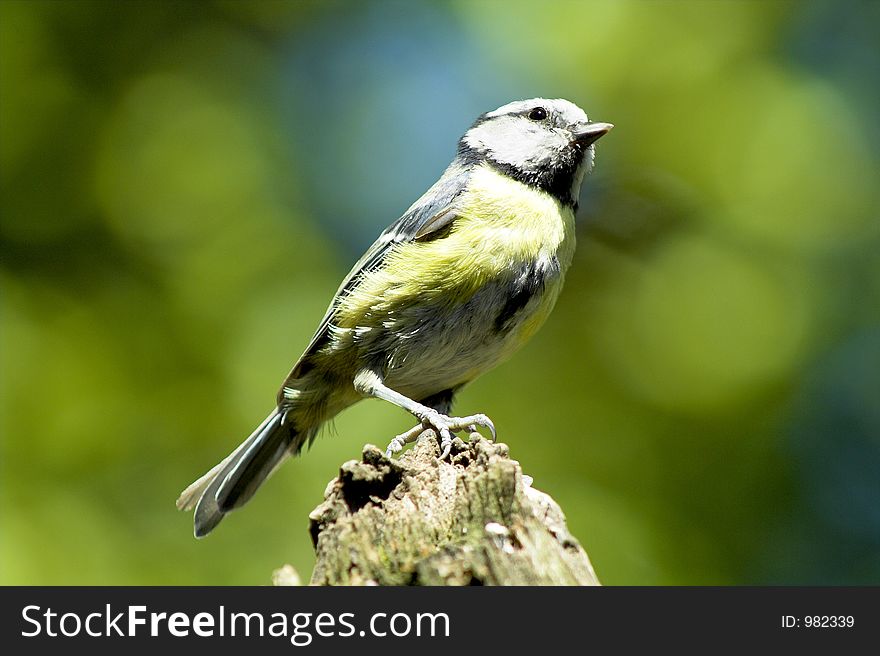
x,y
435,210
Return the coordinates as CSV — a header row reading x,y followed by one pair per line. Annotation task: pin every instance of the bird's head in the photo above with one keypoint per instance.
x,y
543,143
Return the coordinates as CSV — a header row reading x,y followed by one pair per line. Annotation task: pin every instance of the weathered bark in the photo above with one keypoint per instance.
x,y
418,521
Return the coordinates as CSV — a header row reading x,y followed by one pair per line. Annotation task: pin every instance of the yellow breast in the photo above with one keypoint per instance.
x,y
514,221
500,224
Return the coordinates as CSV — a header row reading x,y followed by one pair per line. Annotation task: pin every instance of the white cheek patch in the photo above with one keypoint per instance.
x,y
516,141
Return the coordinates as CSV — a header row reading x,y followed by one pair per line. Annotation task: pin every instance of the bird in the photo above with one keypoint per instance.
x,y
448,291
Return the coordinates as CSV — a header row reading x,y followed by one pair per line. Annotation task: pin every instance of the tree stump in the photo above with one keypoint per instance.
x,y
474,519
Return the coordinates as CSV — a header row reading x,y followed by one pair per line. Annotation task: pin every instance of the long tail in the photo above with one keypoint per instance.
x,y
234,481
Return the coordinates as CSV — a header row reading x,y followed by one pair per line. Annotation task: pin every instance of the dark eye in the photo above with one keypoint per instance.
x,y
538,114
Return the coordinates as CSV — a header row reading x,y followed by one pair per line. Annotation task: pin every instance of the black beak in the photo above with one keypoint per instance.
x,y
588,133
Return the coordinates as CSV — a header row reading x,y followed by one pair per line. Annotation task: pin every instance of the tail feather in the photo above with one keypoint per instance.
x,y
232,483
191,495
254,464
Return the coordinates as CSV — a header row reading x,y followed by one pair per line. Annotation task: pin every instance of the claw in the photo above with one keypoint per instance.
x,y
478,420
399,441
444,426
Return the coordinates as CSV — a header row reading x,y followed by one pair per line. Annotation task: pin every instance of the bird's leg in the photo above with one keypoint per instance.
x,y
369,383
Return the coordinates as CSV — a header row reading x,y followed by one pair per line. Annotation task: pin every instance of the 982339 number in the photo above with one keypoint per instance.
x,y
828,621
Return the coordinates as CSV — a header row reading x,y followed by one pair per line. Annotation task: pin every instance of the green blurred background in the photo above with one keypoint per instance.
x,y
184,184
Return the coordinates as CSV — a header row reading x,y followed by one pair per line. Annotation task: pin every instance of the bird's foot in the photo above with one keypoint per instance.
x,y
445,427
404,438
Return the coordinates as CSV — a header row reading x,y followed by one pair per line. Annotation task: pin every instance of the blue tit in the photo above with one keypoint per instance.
x,y
448,291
